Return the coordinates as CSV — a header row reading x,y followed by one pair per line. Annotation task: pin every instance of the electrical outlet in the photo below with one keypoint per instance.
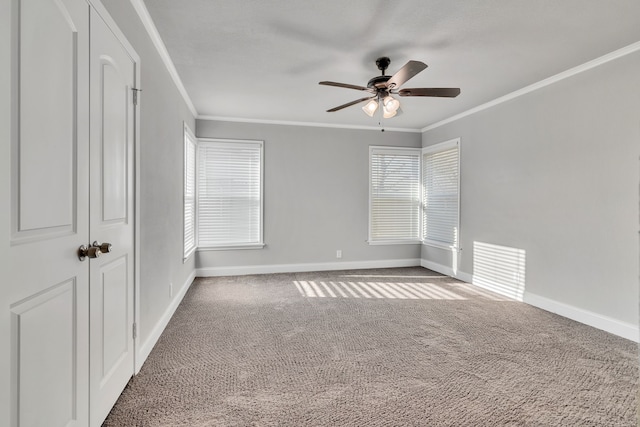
x,y
339,253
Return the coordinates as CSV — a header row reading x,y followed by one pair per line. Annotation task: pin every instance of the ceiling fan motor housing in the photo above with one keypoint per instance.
x,y
378,82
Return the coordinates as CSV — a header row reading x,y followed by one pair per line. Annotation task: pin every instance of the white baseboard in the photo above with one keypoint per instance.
x,y
608,324
605,323
298,268
157,330
443,269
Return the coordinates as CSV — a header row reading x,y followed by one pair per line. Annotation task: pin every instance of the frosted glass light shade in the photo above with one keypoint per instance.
x,y
388,114
370,107
390,103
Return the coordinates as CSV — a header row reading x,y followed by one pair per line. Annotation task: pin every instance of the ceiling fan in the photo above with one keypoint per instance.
x,y
381,88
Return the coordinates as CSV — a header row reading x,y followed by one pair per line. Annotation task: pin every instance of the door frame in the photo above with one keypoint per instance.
x,y
109,21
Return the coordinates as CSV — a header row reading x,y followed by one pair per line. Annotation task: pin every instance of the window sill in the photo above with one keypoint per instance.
x,y
393,242
232,247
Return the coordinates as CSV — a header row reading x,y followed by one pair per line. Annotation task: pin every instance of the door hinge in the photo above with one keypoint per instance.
x,y
135,95
135,331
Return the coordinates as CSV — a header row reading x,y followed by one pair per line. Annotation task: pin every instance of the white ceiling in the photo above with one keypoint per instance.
x,y
262,60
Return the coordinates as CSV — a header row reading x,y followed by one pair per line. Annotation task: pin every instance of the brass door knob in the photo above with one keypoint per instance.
x,y
88,252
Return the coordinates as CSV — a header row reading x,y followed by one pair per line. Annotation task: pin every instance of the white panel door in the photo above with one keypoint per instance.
x,y
47,284
111,217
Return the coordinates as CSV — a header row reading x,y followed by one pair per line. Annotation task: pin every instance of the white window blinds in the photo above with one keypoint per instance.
x,y
394,195
229,194
440,183
189,192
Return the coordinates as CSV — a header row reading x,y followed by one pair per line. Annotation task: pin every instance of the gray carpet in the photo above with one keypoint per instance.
x,y
393,347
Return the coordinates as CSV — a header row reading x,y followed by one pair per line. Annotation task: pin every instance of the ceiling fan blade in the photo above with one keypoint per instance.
x,y
445,92
348,86
409,70
349,104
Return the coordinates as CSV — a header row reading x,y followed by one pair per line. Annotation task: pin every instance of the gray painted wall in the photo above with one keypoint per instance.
x,y
162,113
555,172
316,186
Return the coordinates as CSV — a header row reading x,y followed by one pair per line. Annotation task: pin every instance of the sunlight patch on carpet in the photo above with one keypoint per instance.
x,y
387,290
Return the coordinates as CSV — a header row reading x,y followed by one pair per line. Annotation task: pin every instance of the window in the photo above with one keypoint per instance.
x,y
394,195
189,192
440,187
229,208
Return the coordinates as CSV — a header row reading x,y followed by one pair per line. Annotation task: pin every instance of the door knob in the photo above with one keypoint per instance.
x,y
105,248
88,252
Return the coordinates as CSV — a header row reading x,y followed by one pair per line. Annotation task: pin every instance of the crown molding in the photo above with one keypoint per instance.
x,y
145,17
307,124
542,83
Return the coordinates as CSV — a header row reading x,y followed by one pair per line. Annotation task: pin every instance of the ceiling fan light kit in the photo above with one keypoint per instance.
x,y
382,87
389,105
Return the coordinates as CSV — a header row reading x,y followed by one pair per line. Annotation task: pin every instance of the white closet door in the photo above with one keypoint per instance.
x,y
44,323
111,218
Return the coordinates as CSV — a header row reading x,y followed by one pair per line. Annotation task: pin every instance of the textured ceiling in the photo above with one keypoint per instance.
x,y
262,60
